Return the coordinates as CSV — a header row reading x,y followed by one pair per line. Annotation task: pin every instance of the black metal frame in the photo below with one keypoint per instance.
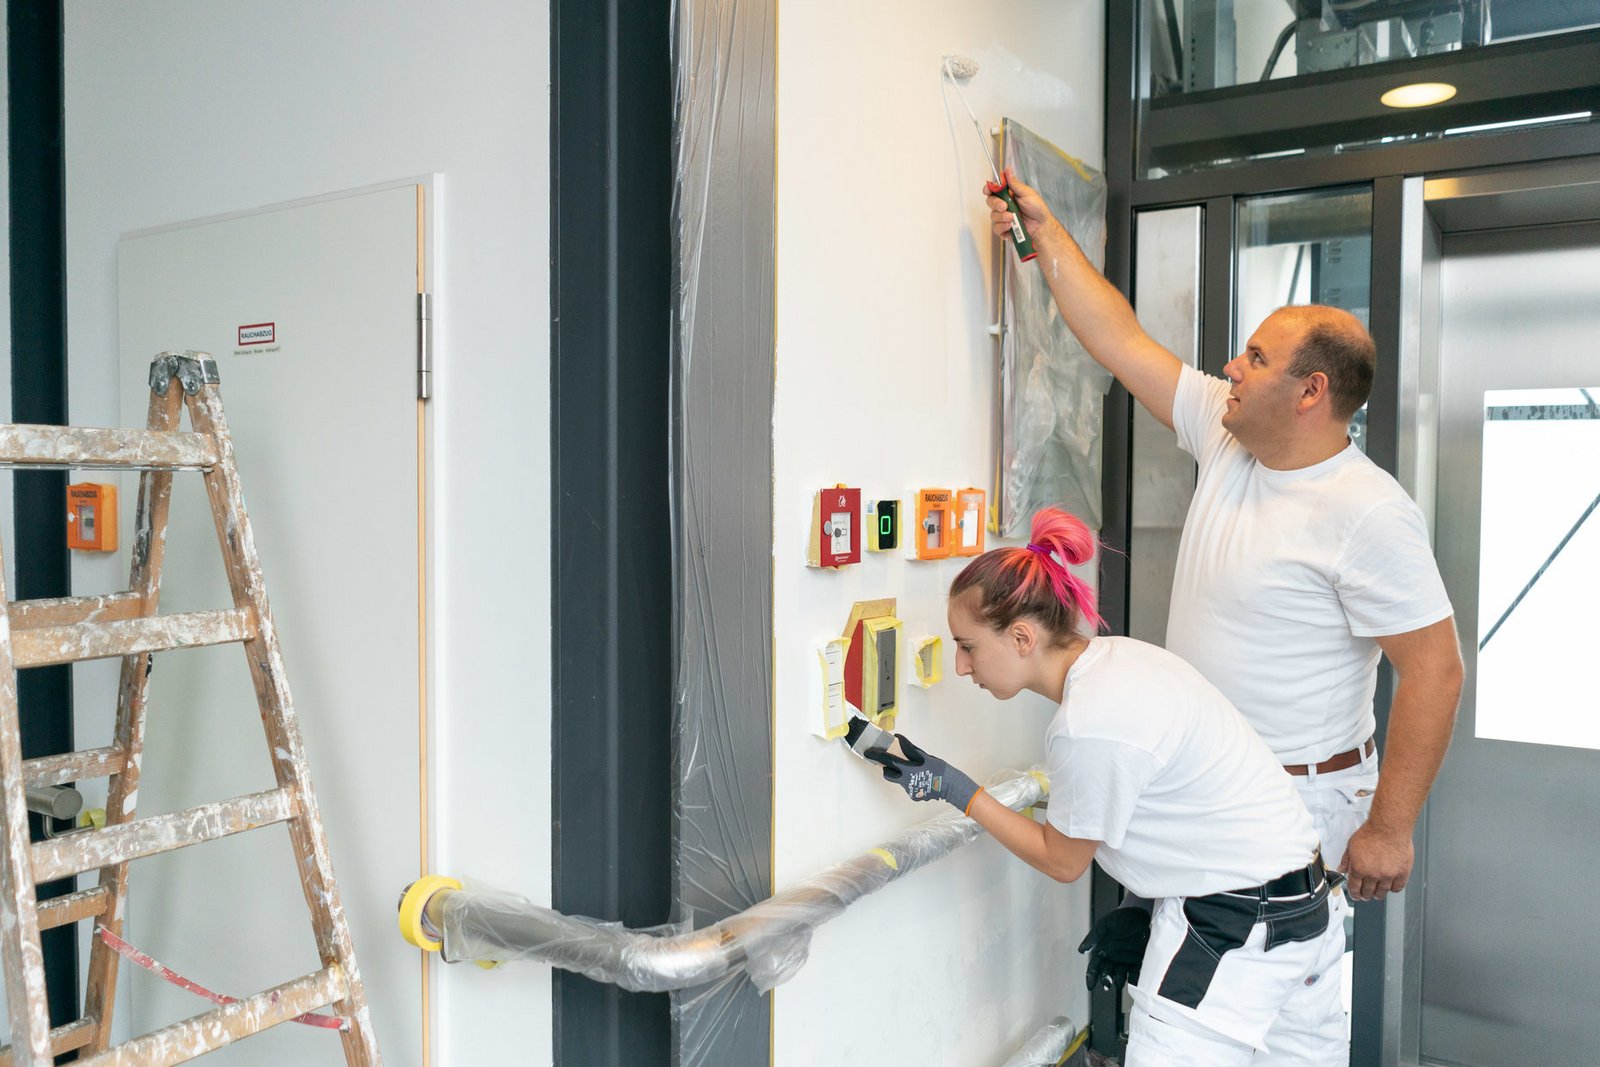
x,y
1523,80
39,395
1116,531
1520,79
611,565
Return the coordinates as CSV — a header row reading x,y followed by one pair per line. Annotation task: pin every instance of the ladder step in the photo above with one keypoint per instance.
x,y
88,850
66,610
23,445
126,637
78,766
62,1039
221,1026
73,907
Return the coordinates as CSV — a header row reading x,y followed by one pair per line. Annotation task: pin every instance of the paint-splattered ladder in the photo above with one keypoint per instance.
x,y
66,630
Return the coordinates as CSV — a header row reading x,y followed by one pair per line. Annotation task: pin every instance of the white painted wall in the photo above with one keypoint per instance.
x,y
183,109
885,381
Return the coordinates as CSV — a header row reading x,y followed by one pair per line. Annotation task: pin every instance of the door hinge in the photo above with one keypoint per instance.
x,y
424,346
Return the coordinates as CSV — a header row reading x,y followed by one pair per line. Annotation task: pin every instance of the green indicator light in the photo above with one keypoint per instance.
x,y
885,526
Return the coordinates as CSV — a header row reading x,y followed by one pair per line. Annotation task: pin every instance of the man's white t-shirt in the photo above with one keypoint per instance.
x,y
1284,579
1147,757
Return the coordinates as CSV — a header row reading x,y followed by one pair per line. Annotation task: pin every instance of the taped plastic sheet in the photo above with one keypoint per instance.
x,y
1052,392
767,942
724,58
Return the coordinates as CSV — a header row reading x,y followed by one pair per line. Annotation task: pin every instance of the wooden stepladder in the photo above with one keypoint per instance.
x,y
66,630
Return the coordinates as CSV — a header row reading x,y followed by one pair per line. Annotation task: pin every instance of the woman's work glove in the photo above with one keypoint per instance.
x,y
925,777
1116,946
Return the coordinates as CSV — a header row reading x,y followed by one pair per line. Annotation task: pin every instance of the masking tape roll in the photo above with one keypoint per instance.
x,y
412,905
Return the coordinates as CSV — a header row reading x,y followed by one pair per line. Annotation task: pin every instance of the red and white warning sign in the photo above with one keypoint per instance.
x,y
258,333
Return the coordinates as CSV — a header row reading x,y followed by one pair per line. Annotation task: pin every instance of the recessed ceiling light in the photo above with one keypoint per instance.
x,y
1420,94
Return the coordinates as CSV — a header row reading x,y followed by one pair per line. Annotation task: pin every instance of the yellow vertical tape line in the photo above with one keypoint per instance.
x,y
772,580
887,857
422,644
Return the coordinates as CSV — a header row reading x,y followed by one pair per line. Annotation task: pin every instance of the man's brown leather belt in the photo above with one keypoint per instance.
x,y
1334,763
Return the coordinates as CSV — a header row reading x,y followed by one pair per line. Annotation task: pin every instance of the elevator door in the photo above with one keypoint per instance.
x,y
1510,950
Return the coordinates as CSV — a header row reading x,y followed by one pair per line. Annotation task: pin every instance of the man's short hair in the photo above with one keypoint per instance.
x,y
1337,344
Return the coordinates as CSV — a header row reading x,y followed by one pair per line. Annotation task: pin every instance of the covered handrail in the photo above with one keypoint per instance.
x,y
1050,1045
770,940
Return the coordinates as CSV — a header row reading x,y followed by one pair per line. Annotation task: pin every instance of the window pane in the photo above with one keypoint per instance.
x,y
1166,292
1539,567
1220,43
1305,248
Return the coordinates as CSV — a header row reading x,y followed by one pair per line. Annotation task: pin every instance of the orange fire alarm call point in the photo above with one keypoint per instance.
x,y
92,517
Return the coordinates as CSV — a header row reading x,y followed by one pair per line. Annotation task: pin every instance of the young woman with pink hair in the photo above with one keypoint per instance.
x,y
1155,775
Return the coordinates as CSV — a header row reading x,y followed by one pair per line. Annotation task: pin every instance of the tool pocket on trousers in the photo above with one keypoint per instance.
x,y
1300,923
1217,925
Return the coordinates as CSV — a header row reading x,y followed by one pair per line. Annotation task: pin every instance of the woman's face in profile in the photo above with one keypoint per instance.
x,y
984,654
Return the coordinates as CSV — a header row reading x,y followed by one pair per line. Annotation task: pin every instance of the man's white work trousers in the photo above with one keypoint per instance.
x,y
1339,802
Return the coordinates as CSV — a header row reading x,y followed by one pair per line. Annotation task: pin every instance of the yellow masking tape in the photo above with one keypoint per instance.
x,y
885,855
1077,1043
412,905
1042,779
1074,164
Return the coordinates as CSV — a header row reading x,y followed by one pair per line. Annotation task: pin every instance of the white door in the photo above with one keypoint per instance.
x,y
310,311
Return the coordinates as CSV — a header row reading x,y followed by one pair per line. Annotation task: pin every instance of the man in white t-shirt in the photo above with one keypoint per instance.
x,y
1301,563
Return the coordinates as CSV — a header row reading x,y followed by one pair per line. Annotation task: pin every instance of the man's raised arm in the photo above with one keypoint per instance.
x,y
1093,308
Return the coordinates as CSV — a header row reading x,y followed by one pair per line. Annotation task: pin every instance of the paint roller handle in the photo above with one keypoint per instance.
x,y
1019,236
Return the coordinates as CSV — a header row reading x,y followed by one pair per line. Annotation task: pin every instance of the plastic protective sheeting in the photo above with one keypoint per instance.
x,y
1051,392
724,58
1046,1047
769,942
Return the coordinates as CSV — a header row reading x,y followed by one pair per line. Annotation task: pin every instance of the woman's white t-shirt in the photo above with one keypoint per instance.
x,y
1148,758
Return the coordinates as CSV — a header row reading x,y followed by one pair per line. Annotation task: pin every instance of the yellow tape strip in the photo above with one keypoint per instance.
x,y
1077,1043
1077,165
887,857
1042,779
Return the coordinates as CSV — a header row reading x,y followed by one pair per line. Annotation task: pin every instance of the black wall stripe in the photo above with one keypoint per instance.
x,y
611,562
39,395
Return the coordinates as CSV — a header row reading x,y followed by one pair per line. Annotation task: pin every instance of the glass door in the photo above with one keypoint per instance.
x,y
1509,962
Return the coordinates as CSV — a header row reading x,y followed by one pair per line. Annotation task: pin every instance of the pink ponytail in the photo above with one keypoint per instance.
x,y
1034,581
